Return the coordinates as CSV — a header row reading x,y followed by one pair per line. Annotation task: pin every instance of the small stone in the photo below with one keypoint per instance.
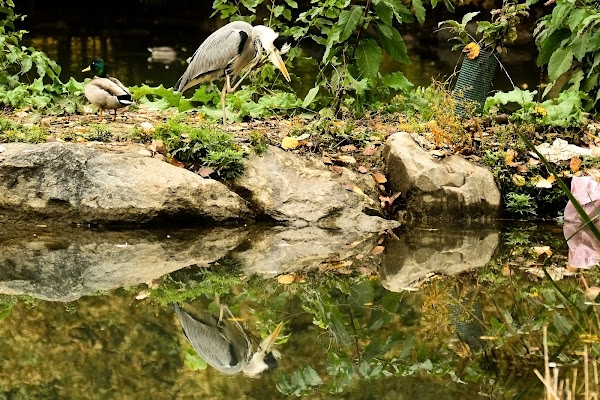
x,y
147,127
145,153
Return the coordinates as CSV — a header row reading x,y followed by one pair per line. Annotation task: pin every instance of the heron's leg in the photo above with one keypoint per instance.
x,y
243,77
223,93
235,321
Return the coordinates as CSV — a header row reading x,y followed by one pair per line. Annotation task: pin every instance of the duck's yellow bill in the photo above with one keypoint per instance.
x,y
86,69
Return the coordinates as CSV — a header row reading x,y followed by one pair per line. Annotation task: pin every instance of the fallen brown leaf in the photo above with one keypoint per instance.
x,y
379,177
349,148
345,159
205,171
337,169
158,146
369,150
362,169
377,250
326,160
176,162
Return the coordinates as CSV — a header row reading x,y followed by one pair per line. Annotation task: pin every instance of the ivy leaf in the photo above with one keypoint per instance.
x,y
397,81
368,58
419,10
560,62
395,47
348,22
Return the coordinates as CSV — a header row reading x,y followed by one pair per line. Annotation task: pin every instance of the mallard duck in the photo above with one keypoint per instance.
x,y
106,92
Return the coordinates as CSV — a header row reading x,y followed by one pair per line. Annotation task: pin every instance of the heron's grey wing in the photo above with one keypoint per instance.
x,y
215,55
206,338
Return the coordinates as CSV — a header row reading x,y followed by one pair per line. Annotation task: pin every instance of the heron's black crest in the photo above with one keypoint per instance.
x,y
243,39
270,360
280,41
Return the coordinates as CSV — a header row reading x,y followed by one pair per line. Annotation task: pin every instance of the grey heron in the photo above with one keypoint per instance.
x,y
231,49
226,345
106,92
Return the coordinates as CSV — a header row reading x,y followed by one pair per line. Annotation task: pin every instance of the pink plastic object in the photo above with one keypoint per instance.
x,y
584,248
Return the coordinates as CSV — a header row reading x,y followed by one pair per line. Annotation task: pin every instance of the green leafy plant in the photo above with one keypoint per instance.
x,y
205,145
99,132
11,132
28,78
354,38
564,111
567,40
495,34
520,203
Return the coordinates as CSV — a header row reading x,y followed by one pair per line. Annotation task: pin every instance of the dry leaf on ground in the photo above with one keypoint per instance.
x,y
379,177
289,143
377,250
285,279
575,164
205,171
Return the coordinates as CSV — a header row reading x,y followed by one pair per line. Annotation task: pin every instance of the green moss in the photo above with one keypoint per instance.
x,y
205,145
11,132
98,132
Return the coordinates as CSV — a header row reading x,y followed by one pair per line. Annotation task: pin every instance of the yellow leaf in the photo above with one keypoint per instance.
x,y
285,279
289,143
574,164
539,250
472,50
518,180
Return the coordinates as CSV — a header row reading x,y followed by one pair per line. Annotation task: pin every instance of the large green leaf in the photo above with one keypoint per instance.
x,y
395,47
419,10
312,93
348,22
385,13
397,81
368,58
560,62
548,45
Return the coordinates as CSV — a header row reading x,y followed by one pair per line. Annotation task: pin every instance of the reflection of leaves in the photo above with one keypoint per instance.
x,y
193,360
301,382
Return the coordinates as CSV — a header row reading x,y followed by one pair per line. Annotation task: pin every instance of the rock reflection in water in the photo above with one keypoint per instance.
x,y
421,251
226,345
68,264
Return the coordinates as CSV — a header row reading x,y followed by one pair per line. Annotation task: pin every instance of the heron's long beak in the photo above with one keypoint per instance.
x,y
275,58
86,69
268,342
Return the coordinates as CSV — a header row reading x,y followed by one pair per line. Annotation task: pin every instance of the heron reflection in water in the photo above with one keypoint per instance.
x,y
226,345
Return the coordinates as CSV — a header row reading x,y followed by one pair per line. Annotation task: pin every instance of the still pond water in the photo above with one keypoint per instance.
x,y
452,313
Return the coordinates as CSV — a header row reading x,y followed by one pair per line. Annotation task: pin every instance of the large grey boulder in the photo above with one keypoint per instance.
x,y
68,264
74,183
449,188
303,192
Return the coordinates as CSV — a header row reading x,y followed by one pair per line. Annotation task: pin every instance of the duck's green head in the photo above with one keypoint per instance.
x,y
98,67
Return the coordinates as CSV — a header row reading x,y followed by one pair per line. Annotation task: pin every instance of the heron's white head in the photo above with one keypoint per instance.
x,y
266,357
267,38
